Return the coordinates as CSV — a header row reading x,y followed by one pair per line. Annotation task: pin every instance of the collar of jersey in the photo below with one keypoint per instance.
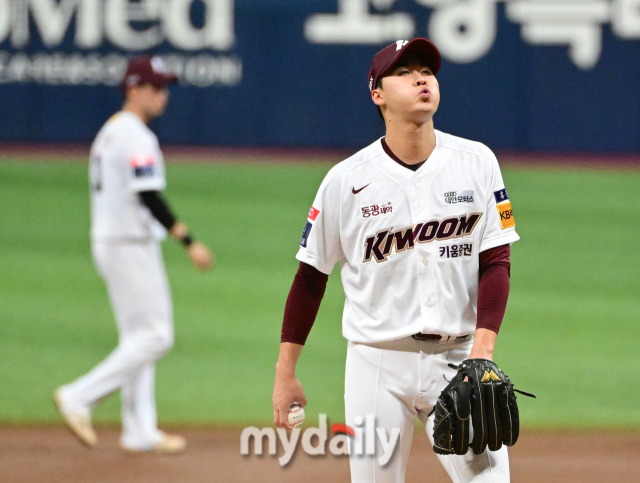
x,y
400,174
130,115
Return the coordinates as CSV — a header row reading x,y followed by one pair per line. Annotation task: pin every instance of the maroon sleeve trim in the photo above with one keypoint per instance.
x,y
493,290
303,302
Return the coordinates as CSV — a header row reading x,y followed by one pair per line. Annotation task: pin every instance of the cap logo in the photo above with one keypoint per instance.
x,y
133,80
371,83
400,44
158,65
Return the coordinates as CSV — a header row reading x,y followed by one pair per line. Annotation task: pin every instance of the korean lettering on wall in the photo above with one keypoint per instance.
x,y
465,30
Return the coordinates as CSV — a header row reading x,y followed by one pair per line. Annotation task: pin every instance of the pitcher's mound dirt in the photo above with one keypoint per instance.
x,y
52,455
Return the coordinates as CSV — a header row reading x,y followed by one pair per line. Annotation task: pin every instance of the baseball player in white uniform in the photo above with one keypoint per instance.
x,y
421,225
129,219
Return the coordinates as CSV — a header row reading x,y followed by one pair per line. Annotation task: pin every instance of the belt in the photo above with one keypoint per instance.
x,y
441,338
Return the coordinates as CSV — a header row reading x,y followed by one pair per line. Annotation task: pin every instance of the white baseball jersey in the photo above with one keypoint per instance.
x,y
408,243
125,160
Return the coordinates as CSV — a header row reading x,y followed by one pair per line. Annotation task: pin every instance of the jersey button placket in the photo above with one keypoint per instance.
x,y
429,297
416,199
425,272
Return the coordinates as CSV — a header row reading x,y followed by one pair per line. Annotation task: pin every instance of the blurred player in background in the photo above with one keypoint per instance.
x,y
129,219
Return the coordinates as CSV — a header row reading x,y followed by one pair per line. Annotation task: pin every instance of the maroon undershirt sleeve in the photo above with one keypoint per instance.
x,y
493,290
303,303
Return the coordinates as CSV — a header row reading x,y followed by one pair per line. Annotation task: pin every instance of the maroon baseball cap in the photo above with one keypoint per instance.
x,y
147,70
386,59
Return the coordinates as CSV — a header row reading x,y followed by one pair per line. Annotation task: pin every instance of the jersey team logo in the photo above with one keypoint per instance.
x,y
504,209
378,247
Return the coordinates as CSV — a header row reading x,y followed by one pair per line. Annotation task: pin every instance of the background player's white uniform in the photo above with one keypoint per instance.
x,y
408,245
125,160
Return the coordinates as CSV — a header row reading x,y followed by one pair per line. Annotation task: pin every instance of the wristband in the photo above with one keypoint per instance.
x,y
186,240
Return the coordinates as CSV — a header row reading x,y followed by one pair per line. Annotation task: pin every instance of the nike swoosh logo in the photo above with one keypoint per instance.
x,y
355,191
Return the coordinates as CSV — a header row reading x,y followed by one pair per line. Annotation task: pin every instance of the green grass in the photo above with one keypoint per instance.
x,y
570,334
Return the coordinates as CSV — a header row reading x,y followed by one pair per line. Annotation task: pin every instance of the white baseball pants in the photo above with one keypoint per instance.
x,y
141,300
393,383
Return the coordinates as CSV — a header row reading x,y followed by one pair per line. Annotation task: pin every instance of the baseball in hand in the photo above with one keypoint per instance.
x,y
296,415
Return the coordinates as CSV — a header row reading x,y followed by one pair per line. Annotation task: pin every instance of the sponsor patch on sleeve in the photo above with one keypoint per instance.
x,y
501,195
506,215
142,166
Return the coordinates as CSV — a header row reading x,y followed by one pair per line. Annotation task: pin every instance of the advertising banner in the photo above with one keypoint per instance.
x,y
520,75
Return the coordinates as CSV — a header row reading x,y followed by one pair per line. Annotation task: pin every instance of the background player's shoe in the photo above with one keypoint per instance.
x,y
168,444
77,422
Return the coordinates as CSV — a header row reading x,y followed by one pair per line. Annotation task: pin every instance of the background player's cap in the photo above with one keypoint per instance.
x,y
147,70
384,60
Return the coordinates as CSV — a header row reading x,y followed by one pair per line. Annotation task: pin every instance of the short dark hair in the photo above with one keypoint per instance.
x,y
379,86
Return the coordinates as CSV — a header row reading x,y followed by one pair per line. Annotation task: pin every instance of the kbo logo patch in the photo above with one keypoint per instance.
x,y
504,209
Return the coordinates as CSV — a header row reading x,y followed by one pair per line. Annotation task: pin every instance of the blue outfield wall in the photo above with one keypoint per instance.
x,y
550,75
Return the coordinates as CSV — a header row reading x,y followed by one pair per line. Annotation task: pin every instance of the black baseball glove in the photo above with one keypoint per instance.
x,y
487,399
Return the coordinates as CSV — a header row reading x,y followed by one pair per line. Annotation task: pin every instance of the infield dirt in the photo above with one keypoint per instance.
x,y
52,455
